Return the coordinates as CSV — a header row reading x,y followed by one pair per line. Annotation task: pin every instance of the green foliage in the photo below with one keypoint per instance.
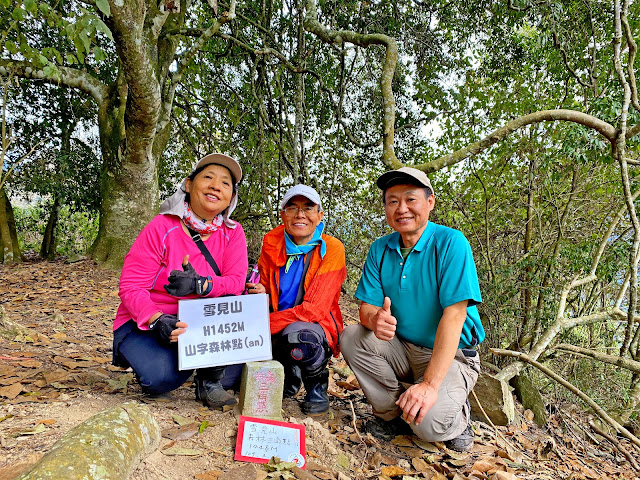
x,y
79,33
76,230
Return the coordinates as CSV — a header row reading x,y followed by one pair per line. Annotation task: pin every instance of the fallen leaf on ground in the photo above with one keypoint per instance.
x,y
39,428
182,432
12,391
182,451
393,471
402,441
351,383
120,383
504,476
420,465
47,421
245,472
209,475
482,466
337,394
30,363
343,461
426,446
56,376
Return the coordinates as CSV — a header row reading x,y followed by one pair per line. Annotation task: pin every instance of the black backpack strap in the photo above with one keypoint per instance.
x,y
300,294
205,251
384,252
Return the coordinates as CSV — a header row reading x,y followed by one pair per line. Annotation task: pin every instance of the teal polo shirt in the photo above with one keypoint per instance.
x,y
438,272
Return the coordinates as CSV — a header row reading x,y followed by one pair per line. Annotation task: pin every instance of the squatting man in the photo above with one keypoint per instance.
x,y
414,349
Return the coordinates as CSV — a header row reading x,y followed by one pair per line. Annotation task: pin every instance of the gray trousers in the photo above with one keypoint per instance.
x,y
386,369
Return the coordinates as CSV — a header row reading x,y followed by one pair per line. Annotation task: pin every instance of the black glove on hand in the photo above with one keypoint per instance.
x,y
163,326
186,282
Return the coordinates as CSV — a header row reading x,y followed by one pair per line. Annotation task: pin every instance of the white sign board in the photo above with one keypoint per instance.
x,y
224,331
259,439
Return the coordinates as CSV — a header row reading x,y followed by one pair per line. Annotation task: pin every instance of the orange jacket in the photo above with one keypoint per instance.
x,y
321,285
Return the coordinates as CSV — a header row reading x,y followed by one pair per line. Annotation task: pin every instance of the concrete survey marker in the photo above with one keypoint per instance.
x,y
261,389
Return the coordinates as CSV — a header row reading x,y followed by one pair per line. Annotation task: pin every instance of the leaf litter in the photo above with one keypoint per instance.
x,y
55,372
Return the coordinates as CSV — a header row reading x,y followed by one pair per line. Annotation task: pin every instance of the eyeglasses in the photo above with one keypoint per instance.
x,y
292,210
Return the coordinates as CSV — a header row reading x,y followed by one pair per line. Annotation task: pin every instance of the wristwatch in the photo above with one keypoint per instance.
x,y
200,285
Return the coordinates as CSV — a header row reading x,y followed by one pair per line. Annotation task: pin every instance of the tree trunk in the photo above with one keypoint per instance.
x,y
8,235
129,183
526,299
108,446
530,398
633,401
48,246
134,127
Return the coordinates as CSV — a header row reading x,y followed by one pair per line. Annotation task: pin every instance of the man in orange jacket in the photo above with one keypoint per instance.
x,y
302,271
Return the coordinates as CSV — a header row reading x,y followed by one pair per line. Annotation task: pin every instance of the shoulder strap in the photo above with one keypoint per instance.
x,y
384,252
300,294
205,251
435,253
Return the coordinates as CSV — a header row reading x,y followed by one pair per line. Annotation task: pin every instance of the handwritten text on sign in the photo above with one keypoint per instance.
x,y
224,331
260,439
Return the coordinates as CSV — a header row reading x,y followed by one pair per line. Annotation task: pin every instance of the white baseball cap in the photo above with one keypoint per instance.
x,y
303,190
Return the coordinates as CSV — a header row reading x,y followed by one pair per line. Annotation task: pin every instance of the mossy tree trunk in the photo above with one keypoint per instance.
x,y
10,249
107,446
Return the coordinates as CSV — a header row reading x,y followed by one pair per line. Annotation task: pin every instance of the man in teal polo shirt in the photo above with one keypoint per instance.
x,y
413,351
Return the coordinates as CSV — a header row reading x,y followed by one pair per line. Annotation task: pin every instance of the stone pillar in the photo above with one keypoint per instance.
x,y
261,390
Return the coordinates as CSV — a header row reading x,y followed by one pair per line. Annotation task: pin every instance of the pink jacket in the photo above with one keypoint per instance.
x,y
160,248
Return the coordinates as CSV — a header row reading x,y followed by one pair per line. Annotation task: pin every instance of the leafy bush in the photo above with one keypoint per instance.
x,y
75,232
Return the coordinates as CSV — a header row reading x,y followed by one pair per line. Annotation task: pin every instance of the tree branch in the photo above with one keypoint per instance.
x,y
69,77
605,129
625,363
330,36
184,60
599,411
617,444
563,52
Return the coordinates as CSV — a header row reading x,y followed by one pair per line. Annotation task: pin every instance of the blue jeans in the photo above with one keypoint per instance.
x,y
154,362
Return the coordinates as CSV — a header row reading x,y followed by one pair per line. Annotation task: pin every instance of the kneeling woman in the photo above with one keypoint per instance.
x,y
166,264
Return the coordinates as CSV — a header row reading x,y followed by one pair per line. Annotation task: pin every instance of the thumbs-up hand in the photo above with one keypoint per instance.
x,y
383,323
187,281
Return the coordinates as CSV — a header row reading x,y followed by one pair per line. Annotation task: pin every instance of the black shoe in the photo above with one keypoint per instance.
x,y
387,430
463,442
316,401
212,394
292,381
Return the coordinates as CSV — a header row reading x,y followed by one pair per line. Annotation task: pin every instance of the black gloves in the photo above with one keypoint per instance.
x,y
186,282
163,326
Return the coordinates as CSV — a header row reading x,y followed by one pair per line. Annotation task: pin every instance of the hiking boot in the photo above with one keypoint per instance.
x,y
463,442
212,394
387,430
316,401
292,381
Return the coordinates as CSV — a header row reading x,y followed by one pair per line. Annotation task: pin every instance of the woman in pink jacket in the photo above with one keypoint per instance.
x,y
165,264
